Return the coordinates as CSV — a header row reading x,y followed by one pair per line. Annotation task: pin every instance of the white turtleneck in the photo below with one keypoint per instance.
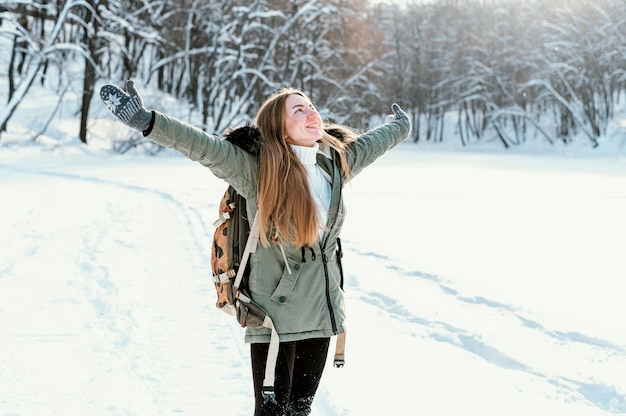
x,y
318,184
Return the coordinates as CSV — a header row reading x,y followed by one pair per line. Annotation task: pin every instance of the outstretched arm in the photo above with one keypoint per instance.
x,y
374,143
225,160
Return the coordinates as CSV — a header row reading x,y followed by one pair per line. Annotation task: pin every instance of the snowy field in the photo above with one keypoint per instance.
x,y
477,284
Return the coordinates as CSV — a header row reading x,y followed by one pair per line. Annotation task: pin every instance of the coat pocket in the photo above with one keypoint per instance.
x,y
287,282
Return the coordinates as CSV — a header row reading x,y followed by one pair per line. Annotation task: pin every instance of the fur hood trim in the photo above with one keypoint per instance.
x,y
248,138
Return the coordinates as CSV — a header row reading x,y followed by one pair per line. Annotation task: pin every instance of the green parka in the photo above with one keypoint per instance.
x,y
304,300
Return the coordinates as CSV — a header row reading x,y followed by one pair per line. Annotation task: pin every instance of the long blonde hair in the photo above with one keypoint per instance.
x,y
286,208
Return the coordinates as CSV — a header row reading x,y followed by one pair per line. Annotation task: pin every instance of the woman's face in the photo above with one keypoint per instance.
x,y
303,124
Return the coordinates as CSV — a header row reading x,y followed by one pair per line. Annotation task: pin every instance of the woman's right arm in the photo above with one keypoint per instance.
x,y
226,161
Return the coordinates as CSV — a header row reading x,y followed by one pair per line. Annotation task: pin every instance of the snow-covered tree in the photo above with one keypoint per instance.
x,y
502,66
505,70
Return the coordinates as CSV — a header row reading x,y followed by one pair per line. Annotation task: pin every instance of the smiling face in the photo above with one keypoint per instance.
x,y
303,124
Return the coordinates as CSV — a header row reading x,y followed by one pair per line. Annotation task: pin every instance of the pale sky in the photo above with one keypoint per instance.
x,y
400,2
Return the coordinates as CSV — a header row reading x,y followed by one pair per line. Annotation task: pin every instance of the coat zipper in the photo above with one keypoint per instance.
x,y
335,175
329,304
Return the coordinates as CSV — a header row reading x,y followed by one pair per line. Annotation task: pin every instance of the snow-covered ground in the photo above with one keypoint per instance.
x,y
479,282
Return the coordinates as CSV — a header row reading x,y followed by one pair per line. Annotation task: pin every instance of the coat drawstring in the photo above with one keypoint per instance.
x,y
303,254
282,250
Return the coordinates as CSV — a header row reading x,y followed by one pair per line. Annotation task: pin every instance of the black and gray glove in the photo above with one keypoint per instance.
x,y
127,107
398,113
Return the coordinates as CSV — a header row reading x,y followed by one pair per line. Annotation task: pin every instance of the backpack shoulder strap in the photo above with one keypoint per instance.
x,y
253,240
272,355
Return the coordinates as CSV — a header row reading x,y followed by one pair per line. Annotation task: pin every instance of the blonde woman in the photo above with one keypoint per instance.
x,y
295,274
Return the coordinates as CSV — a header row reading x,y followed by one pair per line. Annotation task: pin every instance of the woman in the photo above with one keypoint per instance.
x,y
295,274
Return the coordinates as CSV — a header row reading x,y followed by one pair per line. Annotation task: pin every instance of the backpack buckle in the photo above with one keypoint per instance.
x,y
269,395
340,360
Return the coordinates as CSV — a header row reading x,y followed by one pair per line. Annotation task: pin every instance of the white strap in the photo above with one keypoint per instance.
x,y
222,219
223,277
272,356
253,240
340,350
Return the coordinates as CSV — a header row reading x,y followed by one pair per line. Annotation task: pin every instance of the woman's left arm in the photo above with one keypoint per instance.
x,y
374,143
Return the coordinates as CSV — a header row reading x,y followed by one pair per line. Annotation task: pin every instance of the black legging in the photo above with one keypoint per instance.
x,y
299,369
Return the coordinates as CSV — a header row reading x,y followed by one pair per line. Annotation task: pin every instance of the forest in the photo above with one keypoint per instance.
x,y
495,70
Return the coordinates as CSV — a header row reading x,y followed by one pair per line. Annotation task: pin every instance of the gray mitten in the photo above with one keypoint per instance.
x,y
128,108
398,113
